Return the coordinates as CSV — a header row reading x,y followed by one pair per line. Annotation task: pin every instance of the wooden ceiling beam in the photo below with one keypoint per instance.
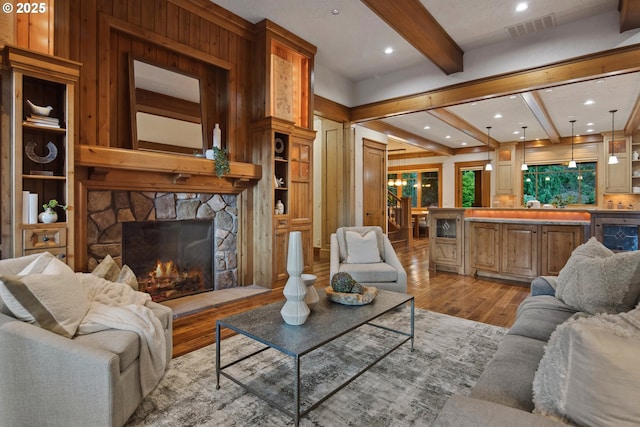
x,y
629,15
414,23
462,125
633,123
609,63
408,137
539,110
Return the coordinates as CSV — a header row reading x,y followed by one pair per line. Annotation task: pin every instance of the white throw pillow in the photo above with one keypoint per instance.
x,y
108,269
597,280
589,373
362,248
46,293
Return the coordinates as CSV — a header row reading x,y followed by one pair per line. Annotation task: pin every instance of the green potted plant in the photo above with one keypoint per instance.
x,y
50,215
221,160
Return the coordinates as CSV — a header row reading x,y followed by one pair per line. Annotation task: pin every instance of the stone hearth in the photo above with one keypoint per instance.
x,y
108,210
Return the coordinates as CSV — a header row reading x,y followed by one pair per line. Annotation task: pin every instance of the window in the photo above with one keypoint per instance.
x,y
557,184
422,187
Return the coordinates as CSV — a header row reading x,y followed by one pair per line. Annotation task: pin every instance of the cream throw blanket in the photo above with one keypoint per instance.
x,y
117,306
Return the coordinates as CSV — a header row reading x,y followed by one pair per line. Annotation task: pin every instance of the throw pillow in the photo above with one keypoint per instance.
x,y
362,248
597,280
108,269
588,374
46,293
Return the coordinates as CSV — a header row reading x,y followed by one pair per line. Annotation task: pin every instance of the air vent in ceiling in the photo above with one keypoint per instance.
x,y
532,26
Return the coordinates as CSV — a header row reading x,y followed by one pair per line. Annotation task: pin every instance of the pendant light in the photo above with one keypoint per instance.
x,y
488,166
524,166
572,163
613,159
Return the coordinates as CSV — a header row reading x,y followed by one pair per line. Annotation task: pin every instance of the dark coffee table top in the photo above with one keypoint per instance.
x,y
327,321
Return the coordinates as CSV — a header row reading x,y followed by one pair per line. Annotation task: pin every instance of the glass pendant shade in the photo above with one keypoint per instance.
x,y
572,163
488,166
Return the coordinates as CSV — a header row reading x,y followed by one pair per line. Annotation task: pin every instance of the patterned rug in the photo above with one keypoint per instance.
x,y
404,389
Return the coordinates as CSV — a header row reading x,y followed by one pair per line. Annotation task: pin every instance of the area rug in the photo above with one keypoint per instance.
x,y
407,388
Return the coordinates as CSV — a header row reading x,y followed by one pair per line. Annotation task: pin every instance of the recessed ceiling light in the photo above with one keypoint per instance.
x,y
590,130
448,136
497,116
590,124
335,12
600,81
426,127
521,7
512,97
589,102
388,51
548,90
474,103
463,143
516,132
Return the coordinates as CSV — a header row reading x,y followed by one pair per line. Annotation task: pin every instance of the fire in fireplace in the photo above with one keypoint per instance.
x,y
171,259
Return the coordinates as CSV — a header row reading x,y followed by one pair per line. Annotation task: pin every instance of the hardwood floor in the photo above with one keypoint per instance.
x,y
482,300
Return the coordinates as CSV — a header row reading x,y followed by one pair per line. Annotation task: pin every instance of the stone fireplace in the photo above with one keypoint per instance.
x,y
109,213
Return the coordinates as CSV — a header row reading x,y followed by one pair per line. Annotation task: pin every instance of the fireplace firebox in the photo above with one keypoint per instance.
x,y
171,259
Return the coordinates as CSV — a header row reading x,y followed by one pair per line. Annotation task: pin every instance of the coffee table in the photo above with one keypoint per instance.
x,y
327,321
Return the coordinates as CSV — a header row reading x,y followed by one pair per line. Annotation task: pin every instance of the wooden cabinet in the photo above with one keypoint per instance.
x,y
484,246
520,251
558,241
505,160
617,178
446,237
635,167
37,152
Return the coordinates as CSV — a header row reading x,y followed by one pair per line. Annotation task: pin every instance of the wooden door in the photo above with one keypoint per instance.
x,y
520,250
558,242
484,242
374,173
332,183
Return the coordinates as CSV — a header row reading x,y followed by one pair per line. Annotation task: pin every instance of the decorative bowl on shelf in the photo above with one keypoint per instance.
x,y
347,298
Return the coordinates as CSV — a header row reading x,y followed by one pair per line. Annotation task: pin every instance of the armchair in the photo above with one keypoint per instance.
x,y
369,258
49,379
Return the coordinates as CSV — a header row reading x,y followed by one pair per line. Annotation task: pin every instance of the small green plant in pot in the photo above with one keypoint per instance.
x,y
50,215
222,161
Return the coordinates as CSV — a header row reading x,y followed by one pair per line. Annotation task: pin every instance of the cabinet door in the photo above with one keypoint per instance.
x,y
280,238
617,178
504,171
520,250
445,246
484,241
558,241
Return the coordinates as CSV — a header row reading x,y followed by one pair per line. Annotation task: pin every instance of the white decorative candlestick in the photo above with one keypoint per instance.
x,y
295,310
217,137
312,297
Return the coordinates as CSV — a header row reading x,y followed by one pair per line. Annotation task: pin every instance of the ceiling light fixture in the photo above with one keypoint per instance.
x,y
521,7
426,127
613,159
335,12
497,116
589,102
524,166
572,163
488,166
388,51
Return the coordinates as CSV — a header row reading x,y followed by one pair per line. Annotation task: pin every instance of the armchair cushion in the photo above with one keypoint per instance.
x,y
371,273
362,248
46,293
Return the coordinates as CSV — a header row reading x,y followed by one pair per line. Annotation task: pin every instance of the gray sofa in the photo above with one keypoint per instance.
x,y
503,395
47,379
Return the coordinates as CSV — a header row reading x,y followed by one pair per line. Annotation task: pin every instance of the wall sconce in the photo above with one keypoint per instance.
x,y
572,163
488,166
524,166
613,159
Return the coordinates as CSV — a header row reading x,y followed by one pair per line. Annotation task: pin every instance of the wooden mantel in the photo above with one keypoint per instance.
x,y
150,170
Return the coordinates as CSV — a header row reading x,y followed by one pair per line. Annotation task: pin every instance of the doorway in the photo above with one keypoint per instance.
x,y
473,185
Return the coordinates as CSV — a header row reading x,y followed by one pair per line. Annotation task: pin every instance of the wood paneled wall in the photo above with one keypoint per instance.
x,y
193,36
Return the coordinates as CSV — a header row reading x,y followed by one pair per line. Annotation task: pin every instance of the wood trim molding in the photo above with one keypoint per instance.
x,y
218,15
539,110
414,23
608,63
459,123
330,110
408,137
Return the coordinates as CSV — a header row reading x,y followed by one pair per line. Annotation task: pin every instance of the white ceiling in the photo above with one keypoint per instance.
x,y
351,45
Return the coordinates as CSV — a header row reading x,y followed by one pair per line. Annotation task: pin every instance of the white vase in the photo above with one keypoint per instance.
x,y
279,208
49,216
312,297
295,311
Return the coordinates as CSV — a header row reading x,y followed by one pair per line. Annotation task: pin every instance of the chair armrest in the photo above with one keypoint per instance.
x,y
47,376
334,261
391,258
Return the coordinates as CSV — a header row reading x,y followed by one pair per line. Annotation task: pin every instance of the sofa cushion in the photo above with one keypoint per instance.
x,y
589,373
340,235
508,378
46,293
544,285
371,273
362,248
124,344
537,317
108,269
597,280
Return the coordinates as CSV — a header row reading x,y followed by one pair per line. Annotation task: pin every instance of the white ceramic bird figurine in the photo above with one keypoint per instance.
x,y
36,109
